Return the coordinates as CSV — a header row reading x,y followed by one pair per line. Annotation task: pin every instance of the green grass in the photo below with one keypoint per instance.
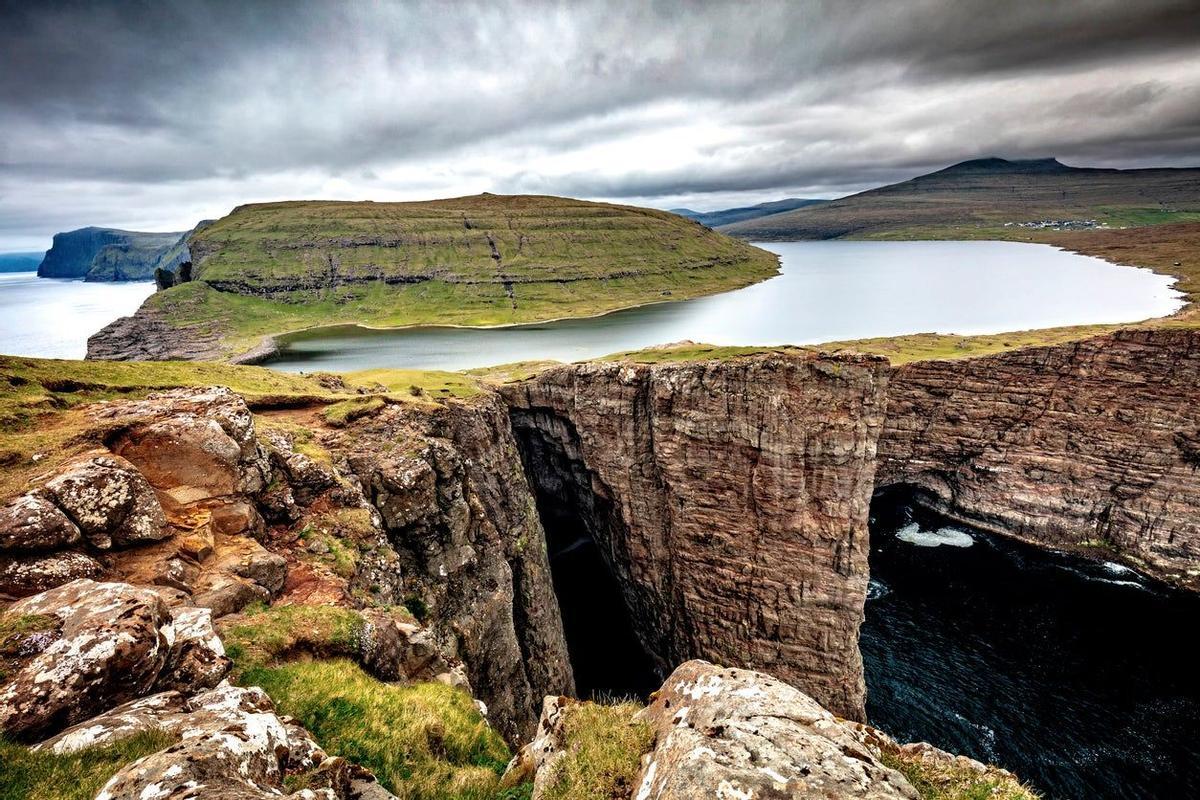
x,y
604,747
263,636
937,780
25,775
423,741
343,413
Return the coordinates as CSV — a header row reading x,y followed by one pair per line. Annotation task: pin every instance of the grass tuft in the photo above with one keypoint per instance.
x,y
423,741
265,635
25,775
947,780
603,753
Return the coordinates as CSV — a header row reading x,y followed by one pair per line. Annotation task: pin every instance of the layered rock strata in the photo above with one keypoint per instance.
x,y
729,499
1091,446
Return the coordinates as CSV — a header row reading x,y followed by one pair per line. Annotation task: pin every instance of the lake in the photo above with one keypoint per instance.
x,y
53,318
827,291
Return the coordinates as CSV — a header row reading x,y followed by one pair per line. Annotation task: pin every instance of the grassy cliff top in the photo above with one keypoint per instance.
x,y
480,261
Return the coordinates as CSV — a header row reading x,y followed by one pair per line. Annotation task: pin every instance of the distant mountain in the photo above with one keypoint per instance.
x,y
729,216
982,195
19,262
106,254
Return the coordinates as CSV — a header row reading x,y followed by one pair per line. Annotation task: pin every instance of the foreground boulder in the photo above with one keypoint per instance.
x,y
112,642
738,733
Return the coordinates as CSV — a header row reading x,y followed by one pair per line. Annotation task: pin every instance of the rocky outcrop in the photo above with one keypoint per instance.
x,y
462,545
148,336
728,498
118,661
1091,446
105,254
112,642
737,733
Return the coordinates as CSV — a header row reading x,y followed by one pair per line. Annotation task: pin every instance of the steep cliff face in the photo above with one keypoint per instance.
x,y
1093,446
470,554
105,254
728,498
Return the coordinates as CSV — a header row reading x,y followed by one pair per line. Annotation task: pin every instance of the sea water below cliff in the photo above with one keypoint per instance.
x,y
1079,676
53,318
827,291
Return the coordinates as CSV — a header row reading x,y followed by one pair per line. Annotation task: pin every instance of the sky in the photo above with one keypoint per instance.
x,y
155,115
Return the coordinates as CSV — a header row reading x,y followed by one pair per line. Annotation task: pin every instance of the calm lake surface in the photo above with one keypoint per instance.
x,y
1076,675
828,291
53,318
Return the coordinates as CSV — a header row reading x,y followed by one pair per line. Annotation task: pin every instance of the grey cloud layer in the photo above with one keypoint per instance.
x,y
147,112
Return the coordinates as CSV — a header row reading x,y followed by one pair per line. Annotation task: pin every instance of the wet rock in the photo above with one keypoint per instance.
x,y
113,643
736,733
32,522
23,575
110,502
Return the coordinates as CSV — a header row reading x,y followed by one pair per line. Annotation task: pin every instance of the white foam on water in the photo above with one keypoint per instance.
x,y
951,537
877,589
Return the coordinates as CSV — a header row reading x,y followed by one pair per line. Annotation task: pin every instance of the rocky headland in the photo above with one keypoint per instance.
x,y
107,254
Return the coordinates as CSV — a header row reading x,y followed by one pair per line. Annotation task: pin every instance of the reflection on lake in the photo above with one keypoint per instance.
x,y
828,291
53,318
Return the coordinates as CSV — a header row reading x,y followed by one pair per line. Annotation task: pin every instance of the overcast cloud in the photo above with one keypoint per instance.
x,y
155,115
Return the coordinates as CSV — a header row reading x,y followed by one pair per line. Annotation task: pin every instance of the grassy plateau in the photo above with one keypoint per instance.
x,y
479,261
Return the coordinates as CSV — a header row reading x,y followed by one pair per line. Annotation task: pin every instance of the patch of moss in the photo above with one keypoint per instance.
x,y
343,413
604,749
25,775
948,780
423,741
264,635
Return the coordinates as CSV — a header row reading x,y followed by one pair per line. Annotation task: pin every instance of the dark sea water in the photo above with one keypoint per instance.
x,y
827,291
1082,677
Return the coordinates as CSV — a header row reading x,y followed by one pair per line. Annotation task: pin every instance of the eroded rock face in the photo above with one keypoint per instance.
x,y
1091,446
729,498
465,543
740,734
116,641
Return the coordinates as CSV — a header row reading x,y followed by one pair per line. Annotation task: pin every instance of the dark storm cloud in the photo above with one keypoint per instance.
x,y
156,113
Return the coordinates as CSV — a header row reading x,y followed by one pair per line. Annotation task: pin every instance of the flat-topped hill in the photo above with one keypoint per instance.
x,y
993,198
482,260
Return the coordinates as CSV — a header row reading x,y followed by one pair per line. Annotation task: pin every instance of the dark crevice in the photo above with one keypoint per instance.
x,y
607,657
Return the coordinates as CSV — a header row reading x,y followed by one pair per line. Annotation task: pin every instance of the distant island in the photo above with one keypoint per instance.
x,y
108,254
483,260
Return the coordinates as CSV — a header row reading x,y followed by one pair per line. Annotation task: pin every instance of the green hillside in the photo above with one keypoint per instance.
x,y
994,199
481,260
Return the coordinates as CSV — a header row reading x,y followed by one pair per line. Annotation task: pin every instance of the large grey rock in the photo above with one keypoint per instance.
x,y
110,501
31,523
24,574
742,734
115,639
